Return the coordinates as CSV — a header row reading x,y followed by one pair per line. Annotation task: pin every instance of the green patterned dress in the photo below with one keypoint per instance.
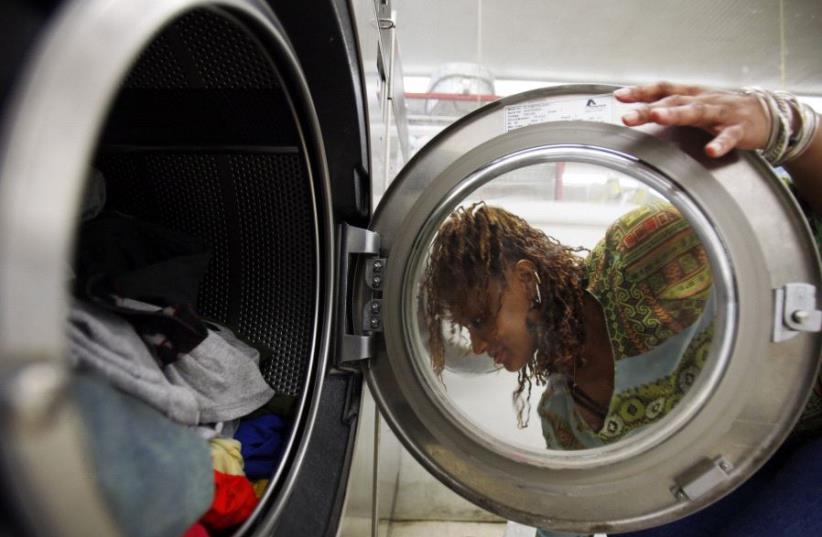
x,y
652,277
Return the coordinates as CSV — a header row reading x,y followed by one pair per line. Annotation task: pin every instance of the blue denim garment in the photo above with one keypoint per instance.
x,y
783,498
156,475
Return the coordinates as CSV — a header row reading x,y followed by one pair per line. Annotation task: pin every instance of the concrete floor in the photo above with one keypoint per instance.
x,y
446,529
458,529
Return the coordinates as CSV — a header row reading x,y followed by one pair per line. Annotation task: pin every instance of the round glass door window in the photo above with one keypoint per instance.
x,y
565,301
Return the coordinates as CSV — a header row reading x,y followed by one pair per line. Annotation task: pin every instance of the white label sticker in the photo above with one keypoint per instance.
x,y
594,108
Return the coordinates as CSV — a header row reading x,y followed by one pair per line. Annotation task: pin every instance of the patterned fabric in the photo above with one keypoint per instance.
x,y
652,278
651,275
643,404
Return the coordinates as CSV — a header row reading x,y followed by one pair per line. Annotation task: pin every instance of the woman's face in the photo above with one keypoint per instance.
x,y
498,322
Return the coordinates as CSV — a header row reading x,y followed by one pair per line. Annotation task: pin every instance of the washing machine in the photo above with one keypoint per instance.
x,y
250,125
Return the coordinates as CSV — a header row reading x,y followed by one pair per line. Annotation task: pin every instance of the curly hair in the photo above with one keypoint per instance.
x,y
472,248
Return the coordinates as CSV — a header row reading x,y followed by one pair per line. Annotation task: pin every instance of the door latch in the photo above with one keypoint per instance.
x,y
795,311
702,478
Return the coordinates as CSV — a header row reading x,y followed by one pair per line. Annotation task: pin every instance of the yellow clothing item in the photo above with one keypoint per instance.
x,y
226,456
259,487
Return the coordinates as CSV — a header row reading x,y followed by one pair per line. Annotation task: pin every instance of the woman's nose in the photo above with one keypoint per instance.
x,y
478,343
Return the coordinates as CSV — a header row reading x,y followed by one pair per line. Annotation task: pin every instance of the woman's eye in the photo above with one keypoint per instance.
x,y
476,322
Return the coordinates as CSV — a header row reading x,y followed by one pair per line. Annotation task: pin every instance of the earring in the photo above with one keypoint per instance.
x,y
537,284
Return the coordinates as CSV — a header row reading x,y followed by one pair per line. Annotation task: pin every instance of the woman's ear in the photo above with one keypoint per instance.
x,y
525,271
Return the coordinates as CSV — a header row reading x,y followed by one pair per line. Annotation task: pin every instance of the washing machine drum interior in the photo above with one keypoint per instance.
x,y
201,140
205,155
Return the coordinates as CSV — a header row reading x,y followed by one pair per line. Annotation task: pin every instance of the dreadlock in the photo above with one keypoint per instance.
x,y
473,247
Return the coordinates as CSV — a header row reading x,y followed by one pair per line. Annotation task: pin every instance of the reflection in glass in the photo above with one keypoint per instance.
x,y
578,288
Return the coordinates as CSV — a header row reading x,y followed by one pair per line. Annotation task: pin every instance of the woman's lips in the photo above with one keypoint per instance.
x,y
499,357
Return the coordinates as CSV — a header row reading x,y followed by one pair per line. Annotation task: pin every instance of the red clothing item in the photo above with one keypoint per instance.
x,y
197,530
234,500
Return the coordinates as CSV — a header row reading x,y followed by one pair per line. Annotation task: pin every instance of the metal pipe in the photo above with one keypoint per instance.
x,y
485,98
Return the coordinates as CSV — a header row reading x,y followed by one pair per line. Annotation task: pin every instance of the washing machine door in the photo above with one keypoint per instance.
x,y
695,408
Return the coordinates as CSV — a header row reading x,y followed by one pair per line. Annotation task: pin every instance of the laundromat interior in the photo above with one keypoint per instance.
x,y
219,221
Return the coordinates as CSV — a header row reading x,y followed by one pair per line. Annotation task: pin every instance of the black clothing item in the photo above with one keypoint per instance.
x,y
140,260
121,256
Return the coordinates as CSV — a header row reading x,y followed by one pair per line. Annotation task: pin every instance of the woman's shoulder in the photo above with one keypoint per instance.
x,y
652,276
636,231
653,244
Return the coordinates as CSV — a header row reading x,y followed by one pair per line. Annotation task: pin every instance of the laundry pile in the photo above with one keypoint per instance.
x,y
183,429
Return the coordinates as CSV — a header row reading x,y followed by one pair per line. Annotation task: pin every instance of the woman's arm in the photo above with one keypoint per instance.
x,y
806,171
736,119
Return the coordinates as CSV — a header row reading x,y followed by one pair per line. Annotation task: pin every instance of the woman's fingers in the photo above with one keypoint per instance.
x,y
676,110
736,119
638,116
654,92
727,139
696,113
714,118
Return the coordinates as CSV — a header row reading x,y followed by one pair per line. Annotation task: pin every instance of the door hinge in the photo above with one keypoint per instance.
x,y
795,311
355,241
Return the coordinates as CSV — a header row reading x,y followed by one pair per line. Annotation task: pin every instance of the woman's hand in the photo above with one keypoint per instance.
x,y
737,120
